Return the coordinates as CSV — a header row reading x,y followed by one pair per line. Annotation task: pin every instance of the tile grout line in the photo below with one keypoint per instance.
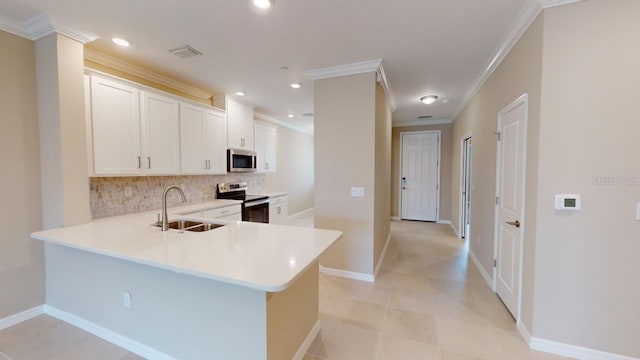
x,y
384,322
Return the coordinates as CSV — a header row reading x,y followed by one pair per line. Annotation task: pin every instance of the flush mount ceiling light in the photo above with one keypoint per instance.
x,y
290,115
263,4
429,99
295,85
241,93
120,42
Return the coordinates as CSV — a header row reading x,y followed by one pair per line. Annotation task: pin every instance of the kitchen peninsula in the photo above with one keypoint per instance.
x,y
240,291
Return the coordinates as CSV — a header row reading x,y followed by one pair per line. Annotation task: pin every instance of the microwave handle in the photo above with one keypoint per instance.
x,y
253,162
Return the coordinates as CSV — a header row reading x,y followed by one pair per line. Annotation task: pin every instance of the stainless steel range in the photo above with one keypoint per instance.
x,y
255,208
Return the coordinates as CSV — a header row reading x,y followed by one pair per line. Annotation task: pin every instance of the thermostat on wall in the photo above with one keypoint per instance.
x,y
568,202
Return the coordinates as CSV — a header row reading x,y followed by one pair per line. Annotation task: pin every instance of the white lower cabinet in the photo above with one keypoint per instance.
x,y
278,210
233,212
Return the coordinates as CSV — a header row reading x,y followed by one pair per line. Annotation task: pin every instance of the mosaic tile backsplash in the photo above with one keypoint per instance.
x,y
108,198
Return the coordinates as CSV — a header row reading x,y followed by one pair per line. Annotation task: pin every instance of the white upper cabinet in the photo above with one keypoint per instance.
x,y
265,148
161,134
204,141
115,112
216,142
240,125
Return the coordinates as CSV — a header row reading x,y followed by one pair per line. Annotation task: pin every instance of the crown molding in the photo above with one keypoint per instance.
x,y
139,71
551,3
525,18
43,25
422,122
263,117
358,68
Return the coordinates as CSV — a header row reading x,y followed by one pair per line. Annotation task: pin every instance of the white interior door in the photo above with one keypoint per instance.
x,y
420,176
512,128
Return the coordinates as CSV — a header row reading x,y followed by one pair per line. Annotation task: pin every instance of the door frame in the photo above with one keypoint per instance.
x,y
439,132
461,216
523,99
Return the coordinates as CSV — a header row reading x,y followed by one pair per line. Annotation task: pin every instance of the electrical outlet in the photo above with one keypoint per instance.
x,y
357,192
126,300
128,191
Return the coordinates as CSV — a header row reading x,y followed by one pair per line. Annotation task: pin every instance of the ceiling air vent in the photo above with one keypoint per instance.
x,y
424,117
307,114
185,51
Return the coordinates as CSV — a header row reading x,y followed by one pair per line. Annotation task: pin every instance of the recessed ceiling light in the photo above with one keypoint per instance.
x,y
296,85
429,99
263,4
241,93
120,42
290,115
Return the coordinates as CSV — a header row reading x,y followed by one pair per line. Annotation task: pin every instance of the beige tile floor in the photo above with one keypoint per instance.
x,y
429,302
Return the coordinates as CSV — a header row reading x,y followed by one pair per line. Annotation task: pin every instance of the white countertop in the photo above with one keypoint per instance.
x,y
275,194
260,256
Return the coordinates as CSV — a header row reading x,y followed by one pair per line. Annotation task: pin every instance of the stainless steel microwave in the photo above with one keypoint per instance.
x,y
241,161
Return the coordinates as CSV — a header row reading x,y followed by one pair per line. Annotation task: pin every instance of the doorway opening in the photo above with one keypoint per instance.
x,y
466,187
420,175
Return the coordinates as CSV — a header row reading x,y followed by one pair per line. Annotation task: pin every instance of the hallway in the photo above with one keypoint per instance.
x,y
429,302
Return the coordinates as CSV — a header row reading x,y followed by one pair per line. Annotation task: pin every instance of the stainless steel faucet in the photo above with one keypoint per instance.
x,y
165,218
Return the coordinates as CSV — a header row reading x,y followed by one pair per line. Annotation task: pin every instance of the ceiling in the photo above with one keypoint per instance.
x,y
427,46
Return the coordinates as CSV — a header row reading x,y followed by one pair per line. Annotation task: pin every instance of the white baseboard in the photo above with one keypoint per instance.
x,y
483,272
395,218
384,252
300,214
347,274
15,319
444,222
108,335
574,351
306,344
522,330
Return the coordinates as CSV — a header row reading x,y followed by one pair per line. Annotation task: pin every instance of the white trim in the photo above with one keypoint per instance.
x,y
525,18
396,218
43,25
574,351
439,132
552,3
347,274
448,222
523,99
108,335
344,70
483,272
384,252
263,117
118,64
300,214
358,68
14,27
306,344
455,231
23,316
524,332
422,122
462,205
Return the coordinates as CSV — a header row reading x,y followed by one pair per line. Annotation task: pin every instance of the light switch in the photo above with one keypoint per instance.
x,y
357,192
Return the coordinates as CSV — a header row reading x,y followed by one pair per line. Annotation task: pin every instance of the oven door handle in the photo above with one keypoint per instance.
x,y
256,203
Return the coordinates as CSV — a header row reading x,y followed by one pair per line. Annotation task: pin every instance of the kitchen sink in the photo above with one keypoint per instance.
x,y
189,225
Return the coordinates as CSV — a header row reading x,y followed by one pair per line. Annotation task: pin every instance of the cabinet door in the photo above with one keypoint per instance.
x,y
273,214
115,112
265,141
161,134
240,125
216,143
192,133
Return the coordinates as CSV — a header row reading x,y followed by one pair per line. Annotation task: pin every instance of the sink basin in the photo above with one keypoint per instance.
x,y
188,225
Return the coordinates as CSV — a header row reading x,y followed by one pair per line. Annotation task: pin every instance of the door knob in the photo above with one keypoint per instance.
x,y
514,223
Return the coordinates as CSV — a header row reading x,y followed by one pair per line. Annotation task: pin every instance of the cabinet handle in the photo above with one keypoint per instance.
x,y
279,210
139,162
208,164
148,162
266,166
